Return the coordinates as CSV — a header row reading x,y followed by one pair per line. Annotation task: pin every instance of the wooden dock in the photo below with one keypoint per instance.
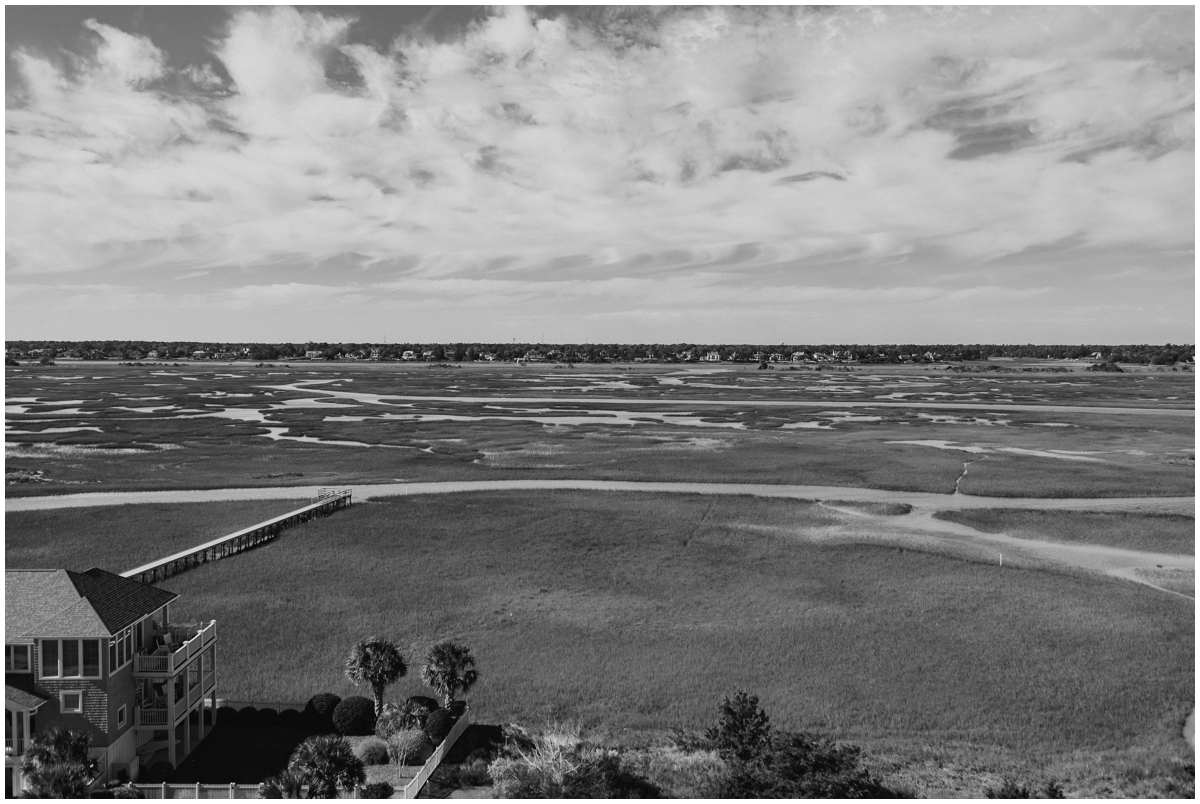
x,y
325,503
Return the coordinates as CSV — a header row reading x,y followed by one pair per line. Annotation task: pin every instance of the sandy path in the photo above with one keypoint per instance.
x,y
920,500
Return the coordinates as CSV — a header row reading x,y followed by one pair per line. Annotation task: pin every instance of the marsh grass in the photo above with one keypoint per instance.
x,y
634,613
1155,533
121,537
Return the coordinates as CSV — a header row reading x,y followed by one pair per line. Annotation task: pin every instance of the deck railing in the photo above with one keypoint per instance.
x,y
202,634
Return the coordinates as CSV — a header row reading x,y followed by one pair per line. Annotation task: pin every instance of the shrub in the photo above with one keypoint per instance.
x,y
319,711
354,716
681,773
282,785
396,718
438,725
1008,789
247,716
268,717
378,790
372,751
127,791
227,715
762,764
410,746
291,719
562,766
472,773
422,704
158,772
797,765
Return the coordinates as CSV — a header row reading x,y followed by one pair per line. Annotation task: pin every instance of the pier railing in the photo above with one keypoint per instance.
x,y
326,502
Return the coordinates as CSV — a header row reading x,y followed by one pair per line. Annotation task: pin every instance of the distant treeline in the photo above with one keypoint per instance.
x,y
593,352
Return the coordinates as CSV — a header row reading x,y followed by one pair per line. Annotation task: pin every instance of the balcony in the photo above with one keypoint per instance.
x,y
158,714
187,641
13,748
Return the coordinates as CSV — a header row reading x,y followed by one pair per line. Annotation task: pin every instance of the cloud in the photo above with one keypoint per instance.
x,y
593,143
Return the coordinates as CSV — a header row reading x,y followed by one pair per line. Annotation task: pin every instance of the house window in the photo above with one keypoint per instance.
x,y
121,716
70,658
120,649
16,658
71,702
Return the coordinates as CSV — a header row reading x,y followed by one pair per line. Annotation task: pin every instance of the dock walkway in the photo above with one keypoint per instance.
x,y
326,502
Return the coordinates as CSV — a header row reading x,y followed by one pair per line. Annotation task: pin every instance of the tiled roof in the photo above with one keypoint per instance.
x,y
44,603
23,699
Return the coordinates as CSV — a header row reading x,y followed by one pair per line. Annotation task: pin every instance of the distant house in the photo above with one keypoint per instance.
x,y
152,354
489,357
712,357
409,354
799,357
225,356
376,353
313,354
199,354
97,653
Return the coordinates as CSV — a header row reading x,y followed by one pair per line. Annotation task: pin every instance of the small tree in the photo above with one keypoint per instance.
x,y
743,730
56,763
449,670
377,663
325,763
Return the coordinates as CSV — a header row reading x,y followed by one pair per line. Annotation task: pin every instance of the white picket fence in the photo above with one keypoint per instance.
x,y
411,788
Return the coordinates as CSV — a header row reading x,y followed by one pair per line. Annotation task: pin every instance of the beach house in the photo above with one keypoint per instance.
x,y
98,653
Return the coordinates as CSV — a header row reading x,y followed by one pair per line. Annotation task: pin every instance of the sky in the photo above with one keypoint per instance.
x,y
712,175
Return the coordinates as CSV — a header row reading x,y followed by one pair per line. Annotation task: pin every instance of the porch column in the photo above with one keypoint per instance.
x,y
187,733
172,729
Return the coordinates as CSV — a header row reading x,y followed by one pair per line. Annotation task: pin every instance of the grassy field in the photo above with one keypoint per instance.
x,y
634,614
121,537
1149,533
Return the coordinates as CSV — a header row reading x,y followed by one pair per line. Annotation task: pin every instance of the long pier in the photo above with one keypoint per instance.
x,y
325,503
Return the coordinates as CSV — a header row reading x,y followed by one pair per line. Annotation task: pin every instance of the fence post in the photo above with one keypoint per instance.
x,y
232,790
164,791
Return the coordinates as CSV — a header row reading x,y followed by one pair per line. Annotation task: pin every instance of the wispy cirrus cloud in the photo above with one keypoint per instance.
x,y
696,156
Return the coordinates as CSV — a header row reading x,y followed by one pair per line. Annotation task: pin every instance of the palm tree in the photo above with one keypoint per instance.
x,y
377,663
449,669
282,785
325,763
56,763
